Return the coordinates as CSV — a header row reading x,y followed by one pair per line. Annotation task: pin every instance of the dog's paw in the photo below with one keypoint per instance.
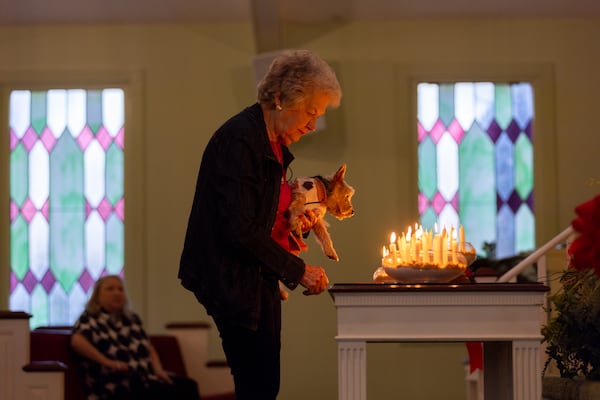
x,y
332,254
296,227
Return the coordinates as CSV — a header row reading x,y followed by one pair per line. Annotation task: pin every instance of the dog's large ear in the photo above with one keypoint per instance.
x,y
339,175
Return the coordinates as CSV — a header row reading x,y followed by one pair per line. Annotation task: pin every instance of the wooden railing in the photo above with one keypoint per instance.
x,y
539,257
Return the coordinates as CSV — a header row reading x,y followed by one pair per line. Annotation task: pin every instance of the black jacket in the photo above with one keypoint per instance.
x,y
228,254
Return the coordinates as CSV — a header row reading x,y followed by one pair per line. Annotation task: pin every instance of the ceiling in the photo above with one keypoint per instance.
x,y
268,16
121,11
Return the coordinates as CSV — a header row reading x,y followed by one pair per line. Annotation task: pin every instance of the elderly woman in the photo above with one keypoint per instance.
x,y
117,358
238,243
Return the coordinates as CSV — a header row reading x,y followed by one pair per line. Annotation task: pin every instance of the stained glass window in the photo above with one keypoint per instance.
x,y
475,151
66,198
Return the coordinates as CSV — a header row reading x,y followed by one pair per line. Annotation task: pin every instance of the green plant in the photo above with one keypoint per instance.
x,y
573,333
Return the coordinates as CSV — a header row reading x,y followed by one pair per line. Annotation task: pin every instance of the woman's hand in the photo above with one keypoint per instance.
x,y
307,220
164,376
282,292
158,369
314,280
115,365
83,347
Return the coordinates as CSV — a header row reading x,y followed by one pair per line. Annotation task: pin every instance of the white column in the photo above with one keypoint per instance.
x,y
512,370
527,370
352,370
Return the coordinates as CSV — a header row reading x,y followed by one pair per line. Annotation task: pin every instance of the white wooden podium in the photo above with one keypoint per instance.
x,y
506,317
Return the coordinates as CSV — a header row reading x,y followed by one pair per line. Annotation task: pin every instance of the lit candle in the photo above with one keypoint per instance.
x,y
418,244
403,249
386,260
444,244
413,245
452,245
425,247
461,235
430,240
393,251
454,256
436,250
442,263
436,244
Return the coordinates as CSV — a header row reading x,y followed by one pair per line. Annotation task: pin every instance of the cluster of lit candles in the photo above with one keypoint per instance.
x,y
426,248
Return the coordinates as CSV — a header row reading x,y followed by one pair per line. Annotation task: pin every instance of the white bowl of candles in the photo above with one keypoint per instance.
x,y
422,256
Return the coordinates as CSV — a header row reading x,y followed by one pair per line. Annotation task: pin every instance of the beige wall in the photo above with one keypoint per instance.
x,y
187,79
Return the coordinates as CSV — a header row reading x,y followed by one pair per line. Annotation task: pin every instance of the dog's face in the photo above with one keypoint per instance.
x,y
339,198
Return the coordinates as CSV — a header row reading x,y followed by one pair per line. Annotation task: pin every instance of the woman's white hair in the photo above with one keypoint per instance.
x,y
295,76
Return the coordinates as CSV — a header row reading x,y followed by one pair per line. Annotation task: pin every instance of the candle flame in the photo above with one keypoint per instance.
x,y
393,237
419,232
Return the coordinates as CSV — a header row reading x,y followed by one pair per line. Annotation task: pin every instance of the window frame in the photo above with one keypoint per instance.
x,y
541,77
132,84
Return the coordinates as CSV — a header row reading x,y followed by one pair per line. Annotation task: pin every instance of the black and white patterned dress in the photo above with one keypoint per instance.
x,y
121,339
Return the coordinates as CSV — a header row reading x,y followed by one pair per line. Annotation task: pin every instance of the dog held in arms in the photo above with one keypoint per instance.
x,y
321,194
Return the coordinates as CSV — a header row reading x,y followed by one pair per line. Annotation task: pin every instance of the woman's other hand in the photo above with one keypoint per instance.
x,y
83,347
164,376
307,220
314,280
158,369
116,365
282,292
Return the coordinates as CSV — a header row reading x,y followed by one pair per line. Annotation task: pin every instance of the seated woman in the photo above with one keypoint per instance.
x,y
117,358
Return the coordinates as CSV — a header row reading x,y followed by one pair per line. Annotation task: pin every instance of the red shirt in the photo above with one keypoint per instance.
x,y
281,228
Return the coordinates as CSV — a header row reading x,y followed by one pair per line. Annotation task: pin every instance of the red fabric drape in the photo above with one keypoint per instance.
x,y
475,350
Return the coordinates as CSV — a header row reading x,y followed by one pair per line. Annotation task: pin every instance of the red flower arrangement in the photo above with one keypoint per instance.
x,y
584,251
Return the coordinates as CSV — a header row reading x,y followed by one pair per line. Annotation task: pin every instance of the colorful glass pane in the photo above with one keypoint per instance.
x,y
427,176
446,104
482,159
66,198
38,111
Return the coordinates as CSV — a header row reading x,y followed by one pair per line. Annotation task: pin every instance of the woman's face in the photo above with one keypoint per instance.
x,y
111,295
294,122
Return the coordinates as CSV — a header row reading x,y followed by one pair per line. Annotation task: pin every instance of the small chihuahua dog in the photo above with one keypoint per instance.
x,y
321,194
